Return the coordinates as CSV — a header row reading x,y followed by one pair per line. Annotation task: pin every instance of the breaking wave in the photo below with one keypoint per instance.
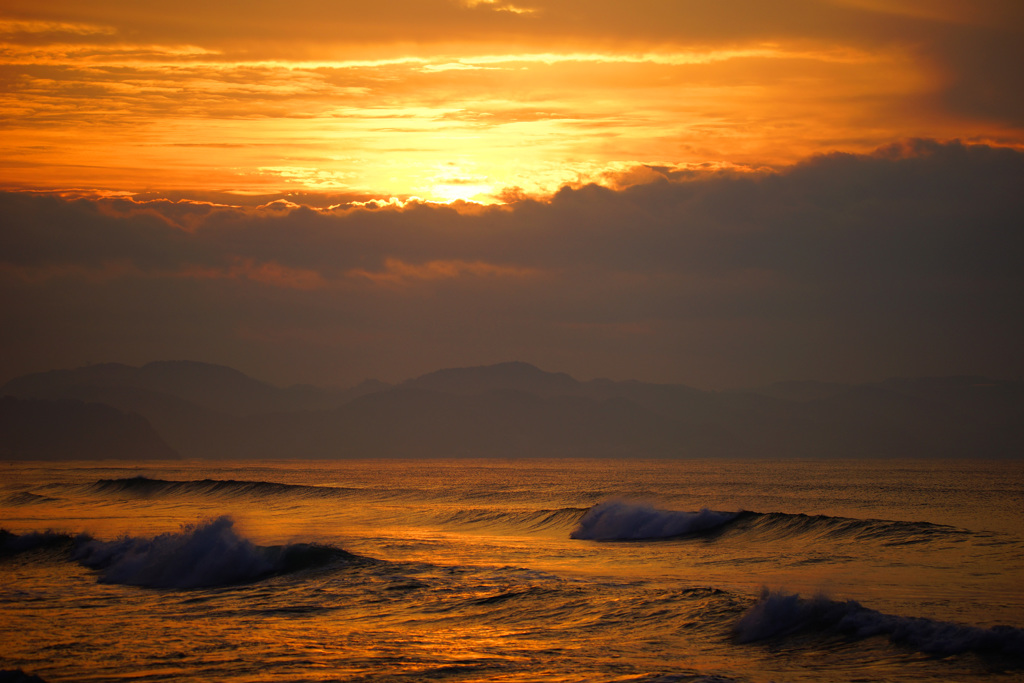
x,y
675,678
146,487
618,520
887,532
18,676
27,498
201,555
531,520
777,615
13,544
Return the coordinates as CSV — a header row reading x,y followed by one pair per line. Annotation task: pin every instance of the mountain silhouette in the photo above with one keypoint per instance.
x,y
37,429
518,410
513,376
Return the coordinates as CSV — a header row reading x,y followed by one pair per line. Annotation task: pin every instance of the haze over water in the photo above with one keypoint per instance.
x,y
514,570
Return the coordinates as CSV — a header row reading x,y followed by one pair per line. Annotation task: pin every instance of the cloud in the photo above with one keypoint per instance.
x,y
903,261
396,272
371,98
13,27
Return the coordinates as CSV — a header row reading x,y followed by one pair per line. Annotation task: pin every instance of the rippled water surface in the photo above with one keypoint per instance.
x,y
532,570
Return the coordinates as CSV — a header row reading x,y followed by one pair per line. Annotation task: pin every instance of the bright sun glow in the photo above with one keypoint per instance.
x,y
525,97
480,193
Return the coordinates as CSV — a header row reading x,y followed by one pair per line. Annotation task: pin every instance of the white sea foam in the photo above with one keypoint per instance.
x,y
200,555
477,548
619,520
778,614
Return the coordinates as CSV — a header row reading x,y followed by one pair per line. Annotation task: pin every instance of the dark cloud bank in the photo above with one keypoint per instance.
x,y
906,262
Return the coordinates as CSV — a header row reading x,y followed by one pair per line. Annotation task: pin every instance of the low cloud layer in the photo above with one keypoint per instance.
x,y
852,267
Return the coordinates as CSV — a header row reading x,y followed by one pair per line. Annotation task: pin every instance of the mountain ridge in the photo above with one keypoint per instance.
x,y
516,409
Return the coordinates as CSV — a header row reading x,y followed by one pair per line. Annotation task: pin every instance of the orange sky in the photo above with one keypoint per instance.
x,y
446,99
826,189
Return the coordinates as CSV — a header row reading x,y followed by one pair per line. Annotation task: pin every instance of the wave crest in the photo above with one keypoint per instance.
x,y
618,520
530,520
28,498
18,676
13,544
886,532
199,556
777,614
146,487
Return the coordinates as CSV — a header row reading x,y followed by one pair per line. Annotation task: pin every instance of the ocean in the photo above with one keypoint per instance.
x,y
513,570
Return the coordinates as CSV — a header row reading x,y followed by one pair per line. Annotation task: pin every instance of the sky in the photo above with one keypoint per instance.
x,y
717,194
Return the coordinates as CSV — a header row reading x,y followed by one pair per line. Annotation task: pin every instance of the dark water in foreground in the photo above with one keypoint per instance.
x,y
533,570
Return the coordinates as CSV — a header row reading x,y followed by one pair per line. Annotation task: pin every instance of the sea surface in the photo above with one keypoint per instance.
x,y
513,570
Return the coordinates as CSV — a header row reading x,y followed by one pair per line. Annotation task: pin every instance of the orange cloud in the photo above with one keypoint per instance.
x,y
399,101
840,265
950,11
397,272
41,274
268,273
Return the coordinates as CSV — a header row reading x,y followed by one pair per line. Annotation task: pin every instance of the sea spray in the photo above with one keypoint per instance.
x,y
476,584
13,544
620,520
200,555
778,614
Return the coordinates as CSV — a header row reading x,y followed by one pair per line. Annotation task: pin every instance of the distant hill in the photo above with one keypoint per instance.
x,y
212,387
518,410
32,429
801,390
514,376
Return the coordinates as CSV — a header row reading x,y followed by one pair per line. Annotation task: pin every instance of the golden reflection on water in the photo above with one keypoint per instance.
x,y
486,598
